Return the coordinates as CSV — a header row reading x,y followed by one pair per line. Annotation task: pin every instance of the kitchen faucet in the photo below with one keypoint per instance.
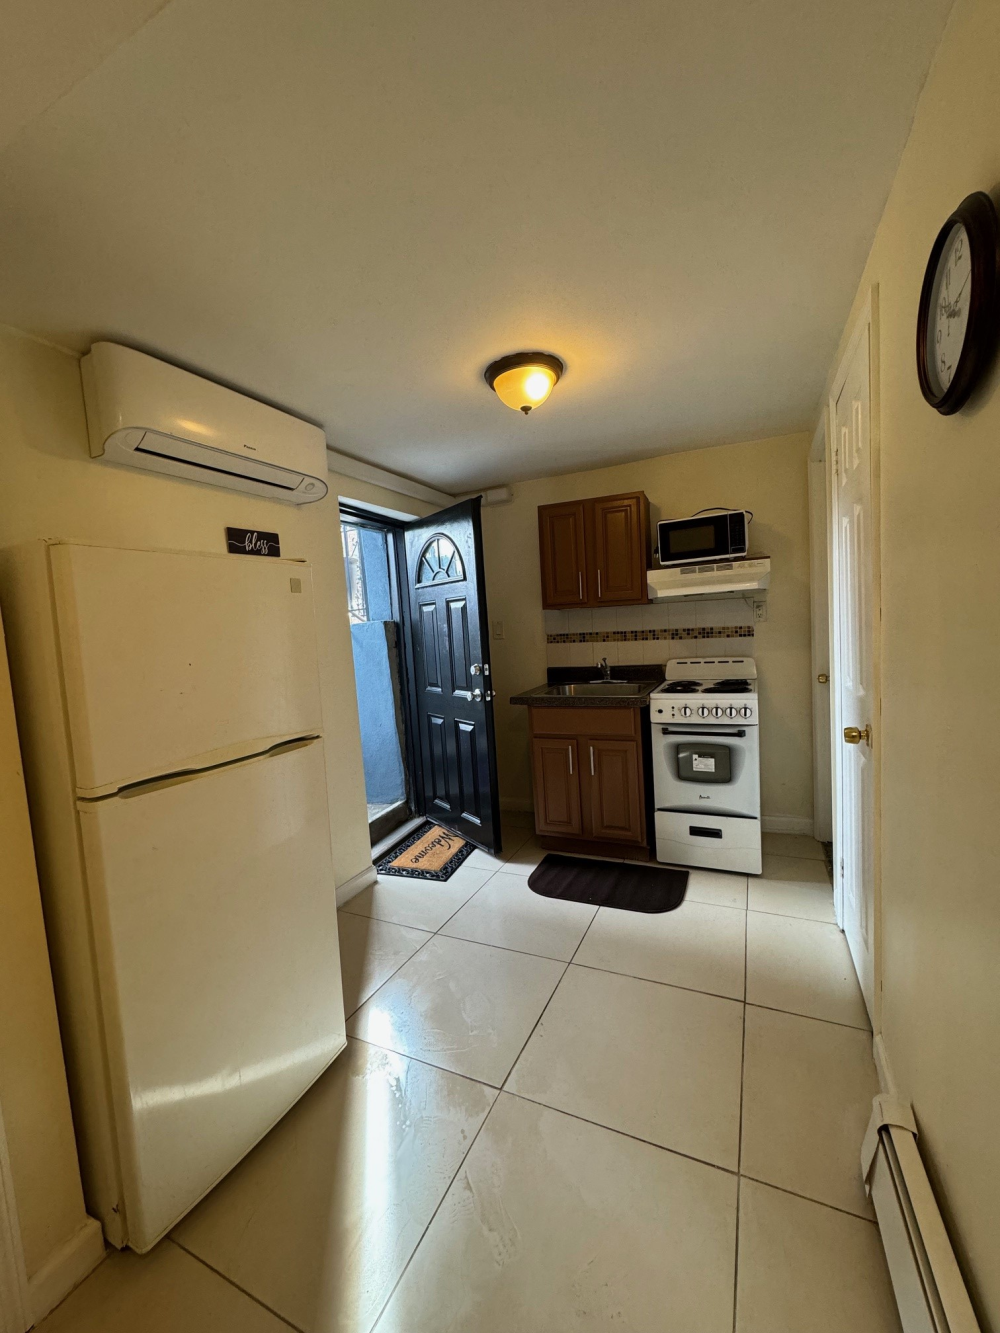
x,y
605,669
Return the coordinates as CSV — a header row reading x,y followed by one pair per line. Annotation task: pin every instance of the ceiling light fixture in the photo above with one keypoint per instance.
x,y
523,380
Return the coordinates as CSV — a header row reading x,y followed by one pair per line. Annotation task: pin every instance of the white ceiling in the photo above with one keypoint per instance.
x,y
49,45
349,209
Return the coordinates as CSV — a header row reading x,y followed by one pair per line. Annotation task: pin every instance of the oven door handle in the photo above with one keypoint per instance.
x,y
705,734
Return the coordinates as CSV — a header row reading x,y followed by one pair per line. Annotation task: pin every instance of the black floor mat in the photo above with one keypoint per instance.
x,y
630,886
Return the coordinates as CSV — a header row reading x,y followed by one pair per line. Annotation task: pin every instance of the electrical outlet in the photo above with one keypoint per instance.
x,y
760,612
498,629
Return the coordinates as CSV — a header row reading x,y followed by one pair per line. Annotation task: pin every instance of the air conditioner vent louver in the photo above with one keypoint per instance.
x,y
145,413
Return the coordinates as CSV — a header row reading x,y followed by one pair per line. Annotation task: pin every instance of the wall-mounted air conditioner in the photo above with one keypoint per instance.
x,y
718,578
142,412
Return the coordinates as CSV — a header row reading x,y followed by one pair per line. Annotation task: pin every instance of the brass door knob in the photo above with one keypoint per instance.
x,y
823,678
853,736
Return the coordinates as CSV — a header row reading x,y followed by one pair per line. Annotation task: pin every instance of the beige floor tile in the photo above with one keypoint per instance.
x,y
807,1267
807,1098
803,967
792,844
701,947
164,1291
555,1225
650,1060
507,913
370,951
461,1006
793,886
521,861
425,904
320,1220
718,888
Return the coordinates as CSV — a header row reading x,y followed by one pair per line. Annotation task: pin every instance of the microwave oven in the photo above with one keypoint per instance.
x,y
713,535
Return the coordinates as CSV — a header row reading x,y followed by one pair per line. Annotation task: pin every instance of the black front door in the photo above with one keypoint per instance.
x,y
453,686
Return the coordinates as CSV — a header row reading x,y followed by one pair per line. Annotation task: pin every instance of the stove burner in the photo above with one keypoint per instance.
x,y
682,687
728,687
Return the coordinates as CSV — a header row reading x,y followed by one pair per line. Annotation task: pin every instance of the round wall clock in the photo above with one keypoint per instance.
x,y
957,322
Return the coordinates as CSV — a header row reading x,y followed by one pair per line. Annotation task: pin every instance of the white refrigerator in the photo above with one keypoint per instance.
x,y
197,958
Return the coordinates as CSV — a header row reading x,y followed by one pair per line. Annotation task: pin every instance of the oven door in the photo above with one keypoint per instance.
x,y
706,768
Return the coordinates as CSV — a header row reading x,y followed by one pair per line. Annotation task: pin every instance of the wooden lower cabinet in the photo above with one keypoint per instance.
x,y
589,781
556,771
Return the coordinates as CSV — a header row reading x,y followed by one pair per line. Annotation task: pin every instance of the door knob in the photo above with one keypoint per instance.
x,y
853,736
823,678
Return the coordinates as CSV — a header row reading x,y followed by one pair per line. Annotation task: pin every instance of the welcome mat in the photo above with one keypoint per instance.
x,y
633,887
432,852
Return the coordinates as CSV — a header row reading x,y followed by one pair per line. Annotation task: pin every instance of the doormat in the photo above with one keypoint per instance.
x,y
630,886
431,853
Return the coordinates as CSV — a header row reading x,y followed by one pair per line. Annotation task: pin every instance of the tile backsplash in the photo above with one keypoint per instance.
x,y
649,634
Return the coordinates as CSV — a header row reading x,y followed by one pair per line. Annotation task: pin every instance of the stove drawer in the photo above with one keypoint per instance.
x,y
719,842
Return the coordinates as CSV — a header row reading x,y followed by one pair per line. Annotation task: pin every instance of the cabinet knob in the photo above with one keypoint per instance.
x,y
823,678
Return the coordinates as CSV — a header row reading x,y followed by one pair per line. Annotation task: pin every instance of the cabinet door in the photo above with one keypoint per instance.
x,y
563,554
614,789
619,545
556,768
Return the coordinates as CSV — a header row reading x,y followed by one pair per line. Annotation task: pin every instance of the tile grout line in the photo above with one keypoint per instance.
x,y
413,1253
222,1276
807,1198
739,1145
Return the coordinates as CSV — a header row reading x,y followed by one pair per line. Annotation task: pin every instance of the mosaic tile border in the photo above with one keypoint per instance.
x,y
638,635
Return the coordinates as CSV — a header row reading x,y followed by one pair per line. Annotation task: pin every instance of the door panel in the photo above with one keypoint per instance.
x,y
615,795
855,701
452,684
556,771
215,926
563,550
619,549
225,645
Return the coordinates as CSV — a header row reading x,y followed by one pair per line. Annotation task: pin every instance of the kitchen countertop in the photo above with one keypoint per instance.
x,y
650,677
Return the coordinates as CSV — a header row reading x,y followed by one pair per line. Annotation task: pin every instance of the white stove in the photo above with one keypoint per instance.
x,y
706,764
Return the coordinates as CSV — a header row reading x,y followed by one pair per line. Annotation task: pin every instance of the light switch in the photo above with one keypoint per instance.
x,y
498,629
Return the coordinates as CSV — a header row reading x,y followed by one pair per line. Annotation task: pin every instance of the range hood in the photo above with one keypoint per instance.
x,y
716,578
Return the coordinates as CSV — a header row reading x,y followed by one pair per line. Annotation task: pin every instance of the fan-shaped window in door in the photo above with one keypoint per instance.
x,y
440,562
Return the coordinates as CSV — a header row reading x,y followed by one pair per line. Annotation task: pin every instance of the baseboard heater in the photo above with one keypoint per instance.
x,y
929,1290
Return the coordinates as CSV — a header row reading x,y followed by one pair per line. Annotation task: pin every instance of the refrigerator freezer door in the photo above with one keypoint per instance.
x,y
215,929
174,661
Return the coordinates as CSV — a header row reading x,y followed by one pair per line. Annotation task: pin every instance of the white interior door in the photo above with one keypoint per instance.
x,y
215,929
855,704
819,579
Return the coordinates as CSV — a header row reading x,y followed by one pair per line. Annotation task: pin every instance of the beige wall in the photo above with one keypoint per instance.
x,y
766,476
50,487
940,782
41,1146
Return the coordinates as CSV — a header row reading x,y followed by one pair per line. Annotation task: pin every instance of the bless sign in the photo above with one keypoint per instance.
x,y
245,541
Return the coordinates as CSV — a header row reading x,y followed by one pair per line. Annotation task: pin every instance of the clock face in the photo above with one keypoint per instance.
x,y
948,316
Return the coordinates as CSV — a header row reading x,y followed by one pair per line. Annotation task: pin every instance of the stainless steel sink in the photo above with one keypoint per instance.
x,y
596,689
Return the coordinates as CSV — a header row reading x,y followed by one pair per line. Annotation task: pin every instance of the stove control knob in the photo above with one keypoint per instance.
x,y
685,710
732,712
746,712
703,710
717,711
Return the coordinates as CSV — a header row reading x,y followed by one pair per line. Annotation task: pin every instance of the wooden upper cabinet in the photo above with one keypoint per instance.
x,y
619,548
595,552
562,539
